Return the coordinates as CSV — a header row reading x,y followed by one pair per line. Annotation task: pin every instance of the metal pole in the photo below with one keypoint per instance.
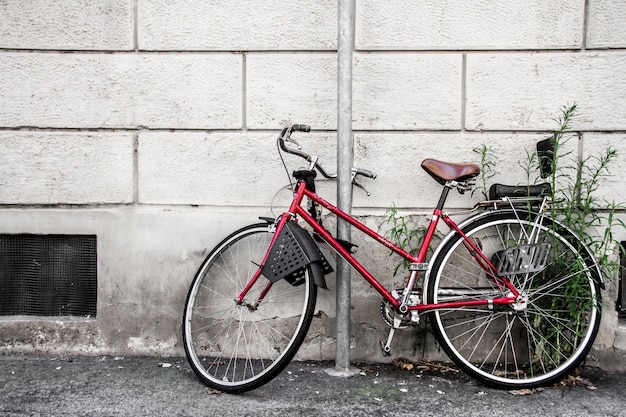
x,y
345,46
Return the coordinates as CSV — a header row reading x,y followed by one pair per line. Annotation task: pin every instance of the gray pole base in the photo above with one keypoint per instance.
x,y
342,372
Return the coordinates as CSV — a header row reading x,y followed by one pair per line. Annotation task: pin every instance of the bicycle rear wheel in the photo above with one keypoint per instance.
x,y
523,345
238,347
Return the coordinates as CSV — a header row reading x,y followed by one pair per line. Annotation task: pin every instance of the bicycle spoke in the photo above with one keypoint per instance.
x,y
236,347
530,342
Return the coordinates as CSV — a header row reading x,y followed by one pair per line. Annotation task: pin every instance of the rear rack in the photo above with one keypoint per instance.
x,y
522,259
511,201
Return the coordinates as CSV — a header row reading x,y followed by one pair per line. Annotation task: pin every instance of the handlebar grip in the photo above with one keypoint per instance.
x,y
365,173
301,128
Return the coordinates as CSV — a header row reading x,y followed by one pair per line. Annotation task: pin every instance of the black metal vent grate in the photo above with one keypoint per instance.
x,y
48,275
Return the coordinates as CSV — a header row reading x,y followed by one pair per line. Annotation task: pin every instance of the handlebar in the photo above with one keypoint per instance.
x,y
364,172
301,128
285,136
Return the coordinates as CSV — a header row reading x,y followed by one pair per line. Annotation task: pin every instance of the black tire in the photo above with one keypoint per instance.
x,y
516,346
236,348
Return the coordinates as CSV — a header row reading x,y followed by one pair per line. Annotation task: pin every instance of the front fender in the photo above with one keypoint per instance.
x,y
294,250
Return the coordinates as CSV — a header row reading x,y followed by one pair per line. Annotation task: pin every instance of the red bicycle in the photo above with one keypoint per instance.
x,y
513,294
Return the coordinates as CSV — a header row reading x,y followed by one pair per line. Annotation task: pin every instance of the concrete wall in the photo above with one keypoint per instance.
x,y
151,124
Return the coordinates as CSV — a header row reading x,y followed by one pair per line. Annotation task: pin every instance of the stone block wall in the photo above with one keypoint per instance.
x,y
152,123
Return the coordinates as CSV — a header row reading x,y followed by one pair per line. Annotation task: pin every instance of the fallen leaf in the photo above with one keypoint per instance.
x,y
522,392
403,363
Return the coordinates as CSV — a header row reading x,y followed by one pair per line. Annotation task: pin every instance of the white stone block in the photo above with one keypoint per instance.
x,y
611,184
390,91
527,91
470,25
605,24
237,25
291,88
66,168
407,91
121,90
221,169
68,24
401,181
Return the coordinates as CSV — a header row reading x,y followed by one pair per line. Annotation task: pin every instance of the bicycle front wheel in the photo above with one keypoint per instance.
x,y
536,341
238,347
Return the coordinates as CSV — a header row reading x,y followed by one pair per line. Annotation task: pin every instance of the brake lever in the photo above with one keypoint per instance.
x,y
361,187
294,142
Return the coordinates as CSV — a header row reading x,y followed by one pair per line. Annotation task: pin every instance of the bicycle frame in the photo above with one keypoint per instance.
x,y
417,262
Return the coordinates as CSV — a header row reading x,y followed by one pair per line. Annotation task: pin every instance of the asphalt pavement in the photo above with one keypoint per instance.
x,y
152,386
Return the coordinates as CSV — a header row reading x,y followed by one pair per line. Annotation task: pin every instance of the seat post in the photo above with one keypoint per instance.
x,y
444,195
